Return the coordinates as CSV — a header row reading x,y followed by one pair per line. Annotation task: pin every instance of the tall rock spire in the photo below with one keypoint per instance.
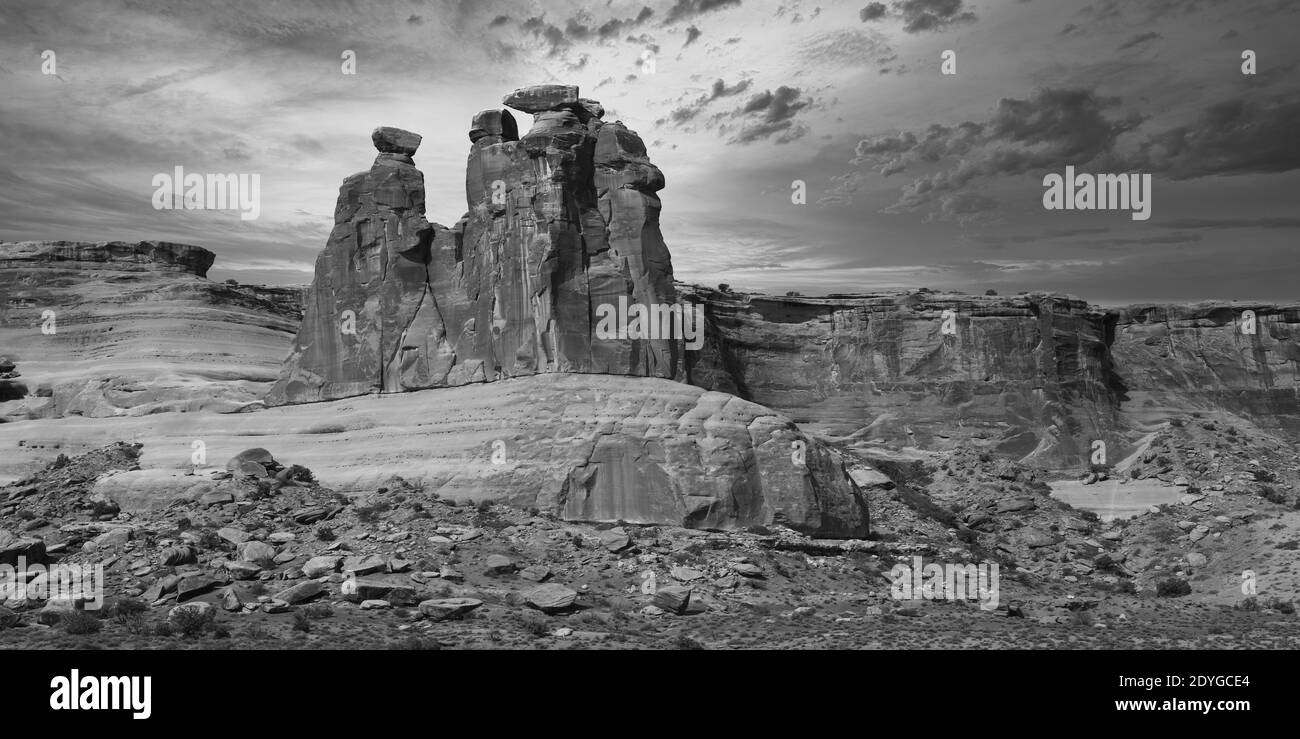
x,y
562,221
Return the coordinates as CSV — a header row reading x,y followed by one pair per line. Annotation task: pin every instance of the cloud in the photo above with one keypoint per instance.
x,y
1141,38
1232,137
872,12
847,47
687,9
771,114
692,34
1052,128
688,112
932,15
920,15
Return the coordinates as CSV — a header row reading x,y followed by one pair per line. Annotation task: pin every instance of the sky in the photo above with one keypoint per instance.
x,y
913,177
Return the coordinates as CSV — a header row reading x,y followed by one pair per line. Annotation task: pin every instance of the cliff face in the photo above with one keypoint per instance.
x,y
922,369
117,256
1238,357
562,221
111,328
1040,377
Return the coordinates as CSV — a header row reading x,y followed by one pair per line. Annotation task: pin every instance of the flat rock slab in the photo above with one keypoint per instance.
x,y
551,597
444,608
541,98
300,593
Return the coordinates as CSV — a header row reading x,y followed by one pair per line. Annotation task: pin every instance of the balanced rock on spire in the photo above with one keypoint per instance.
x,y
561,221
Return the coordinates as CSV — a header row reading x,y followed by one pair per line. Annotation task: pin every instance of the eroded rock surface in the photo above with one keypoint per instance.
x,y
561,221
109,328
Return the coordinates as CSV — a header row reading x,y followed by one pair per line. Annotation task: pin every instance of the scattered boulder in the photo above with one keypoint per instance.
x,y
442,609
200,608
498,565
321,566
300,593
194,586
551,597
672,598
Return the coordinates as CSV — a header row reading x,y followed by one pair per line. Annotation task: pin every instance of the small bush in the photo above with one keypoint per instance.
x,y
536,624
80,623
317,611
127,610
301,621
193,622
685,642
1173,588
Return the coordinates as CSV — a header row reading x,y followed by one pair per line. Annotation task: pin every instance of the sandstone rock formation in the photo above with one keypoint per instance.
x,y
1242,357
583,447
1032,373
561,221
102,329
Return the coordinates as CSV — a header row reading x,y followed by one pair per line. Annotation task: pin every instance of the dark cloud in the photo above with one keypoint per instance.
x,y
872,12
687,9
932,15
1049,130
688,112
692,34
771,114
1233,137
499,21
1069,29
415,20
1141,38
920,15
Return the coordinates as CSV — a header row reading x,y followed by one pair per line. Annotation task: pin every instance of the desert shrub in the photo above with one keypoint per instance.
x,y
192,622
325,533
208,539
317,611
1281,606
1272,494
165,629
80,623
9,618
1164,531
301,621
1173,588
685,642
220,631
535,623
126,610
